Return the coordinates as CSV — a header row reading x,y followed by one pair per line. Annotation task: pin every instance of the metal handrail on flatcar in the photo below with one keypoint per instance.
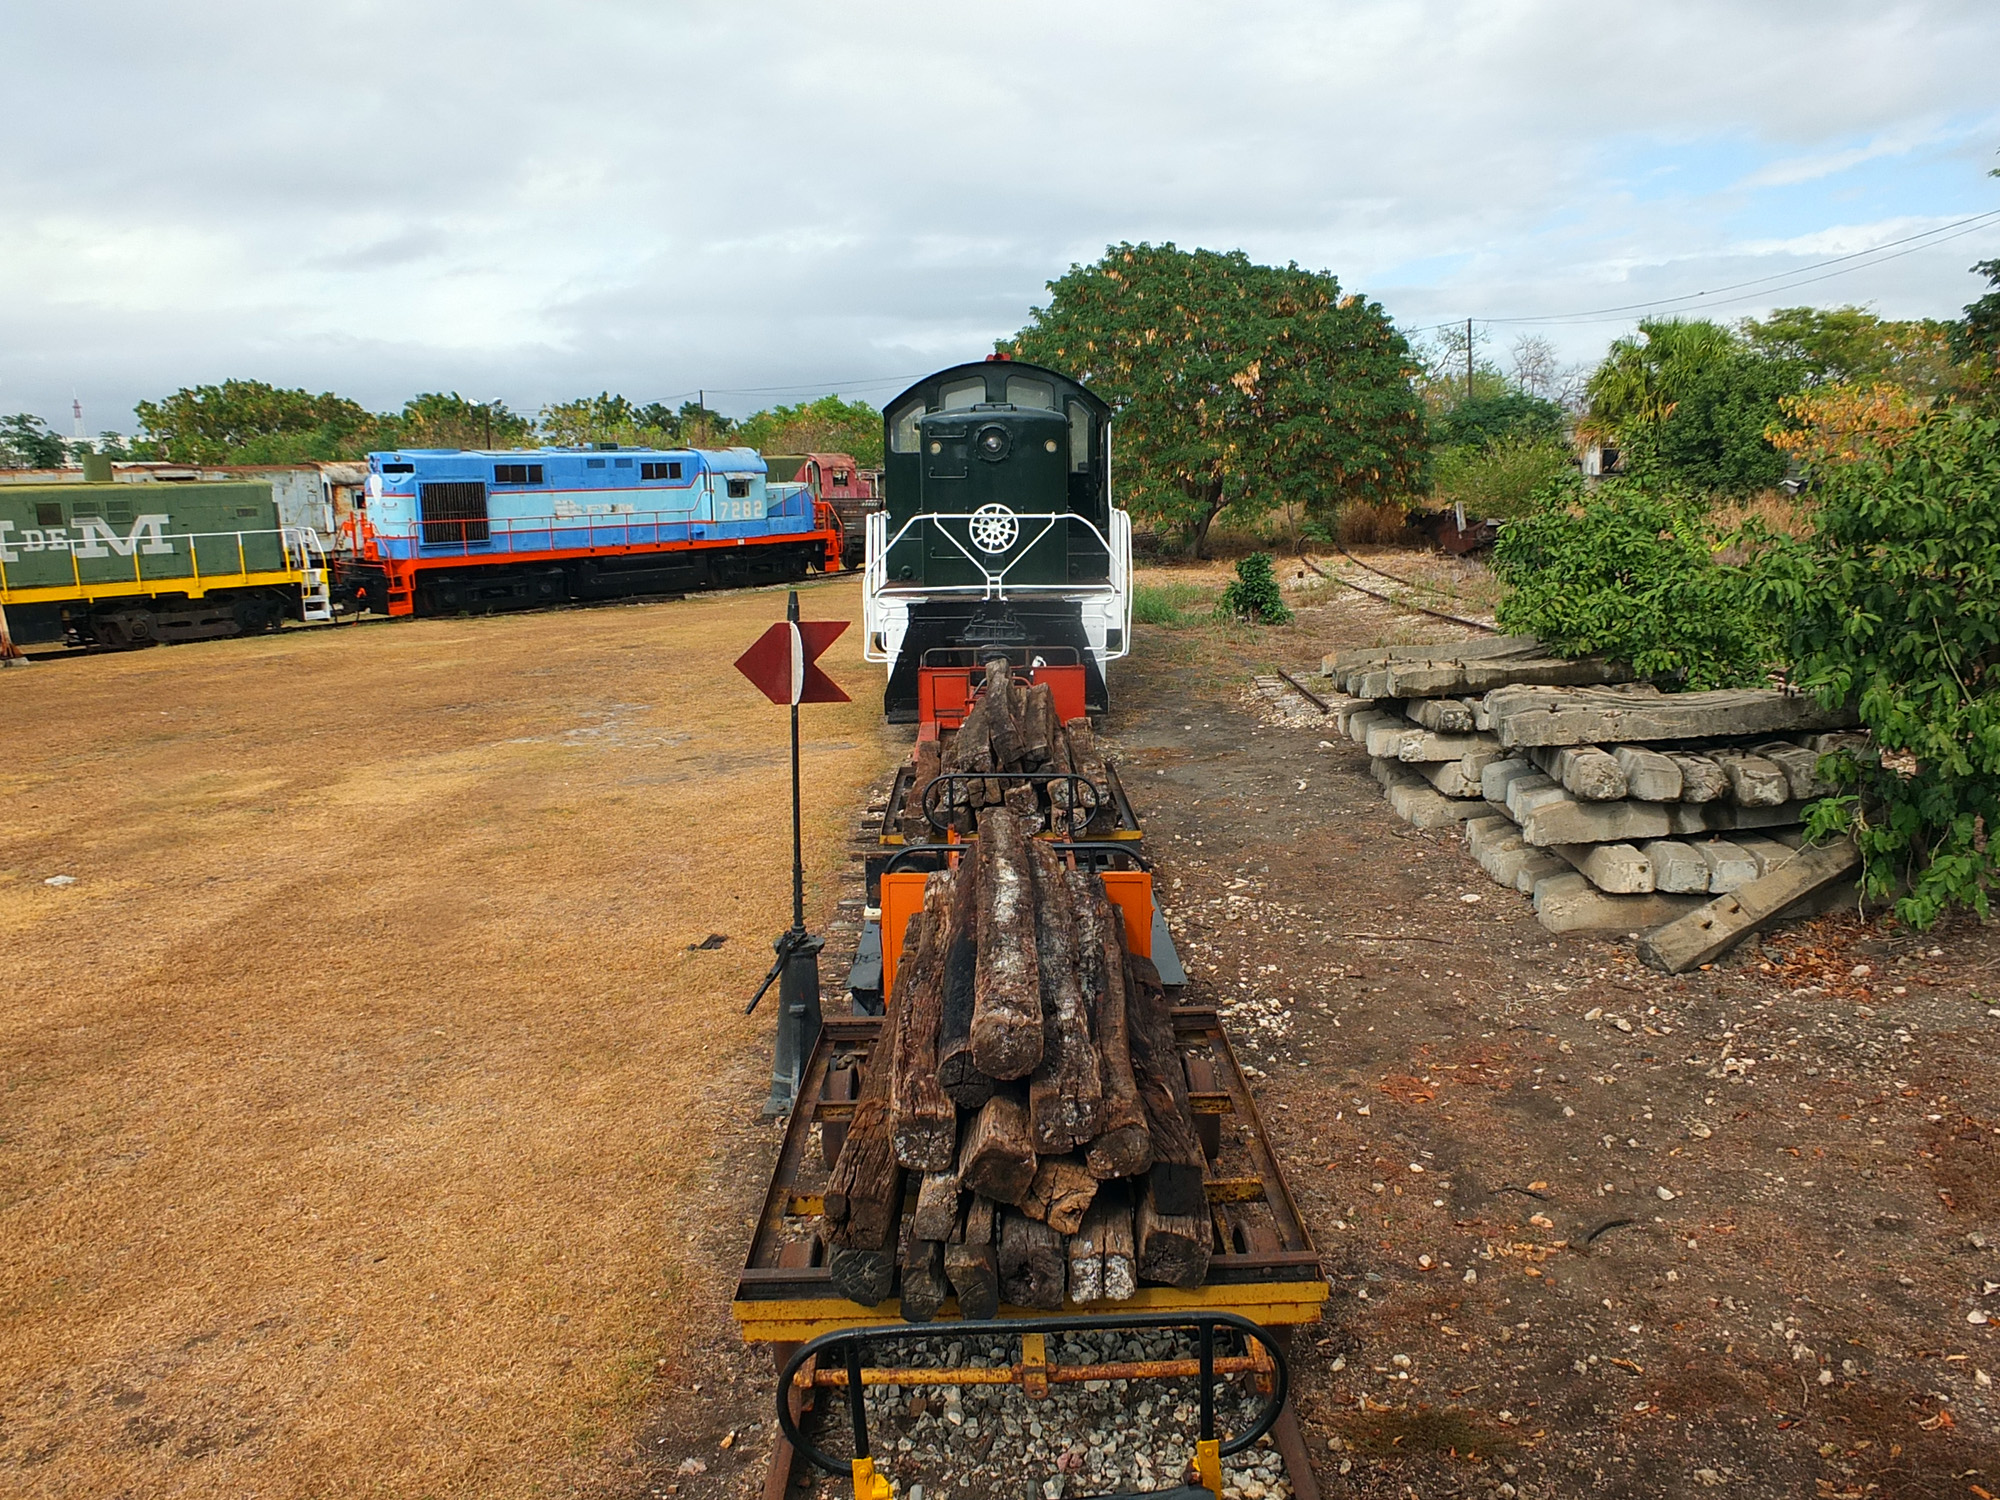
x,y
835,1360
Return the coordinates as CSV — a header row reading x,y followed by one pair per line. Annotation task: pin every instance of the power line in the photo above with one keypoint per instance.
x,y
1795,277
804,385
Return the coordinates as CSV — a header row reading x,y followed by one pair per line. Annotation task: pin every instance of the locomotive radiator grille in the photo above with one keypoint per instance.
x,y
454,511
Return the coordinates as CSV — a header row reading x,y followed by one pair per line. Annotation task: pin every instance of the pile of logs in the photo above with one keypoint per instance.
x,y
1012,727
1026,1077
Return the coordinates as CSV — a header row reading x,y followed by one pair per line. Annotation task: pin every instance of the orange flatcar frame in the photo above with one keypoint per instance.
x,y
1131,891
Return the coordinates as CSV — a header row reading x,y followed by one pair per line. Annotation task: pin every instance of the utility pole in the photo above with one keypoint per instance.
x,y
1468,359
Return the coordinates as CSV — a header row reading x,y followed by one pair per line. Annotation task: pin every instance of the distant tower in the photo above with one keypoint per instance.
x,y
76,410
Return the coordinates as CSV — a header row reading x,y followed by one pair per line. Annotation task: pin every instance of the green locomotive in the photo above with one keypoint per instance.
x,y
998,534
109,564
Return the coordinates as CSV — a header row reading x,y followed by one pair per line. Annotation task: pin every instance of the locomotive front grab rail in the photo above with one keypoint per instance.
x,y
880,598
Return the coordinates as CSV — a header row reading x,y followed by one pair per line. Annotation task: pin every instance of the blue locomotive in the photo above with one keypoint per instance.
x,y
444,531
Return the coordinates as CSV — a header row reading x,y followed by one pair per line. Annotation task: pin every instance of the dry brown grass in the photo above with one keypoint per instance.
x,y
1365,523
358,1096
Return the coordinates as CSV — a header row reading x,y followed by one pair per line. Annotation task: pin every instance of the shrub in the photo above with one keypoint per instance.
x,y
1631,574
1500,481
1255,595
1893,608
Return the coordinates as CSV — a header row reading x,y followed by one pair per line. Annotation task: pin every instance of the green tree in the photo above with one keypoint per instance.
x,y
603,418
1978,334
606,418
827,425
1688,402
1892,607
1715,441
1852,346
248,421
1487,419
447,420
27,442
1235,384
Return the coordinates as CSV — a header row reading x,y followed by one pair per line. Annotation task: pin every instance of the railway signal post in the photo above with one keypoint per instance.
x,y
781,665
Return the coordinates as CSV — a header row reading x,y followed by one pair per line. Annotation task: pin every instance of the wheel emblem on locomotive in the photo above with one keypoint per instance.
x,y
993,528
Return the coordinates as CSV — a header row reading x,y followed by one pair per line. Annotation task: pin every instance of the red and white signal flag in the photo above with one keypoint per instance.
x,y
781,662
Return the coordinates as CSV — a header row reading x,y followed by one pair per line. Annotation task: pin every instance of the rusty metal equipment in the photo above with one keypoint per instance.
x,y
835,1361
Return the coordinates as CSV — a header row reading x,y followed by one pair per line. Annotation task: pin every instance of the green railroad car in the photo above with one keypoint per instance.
x,y
132,564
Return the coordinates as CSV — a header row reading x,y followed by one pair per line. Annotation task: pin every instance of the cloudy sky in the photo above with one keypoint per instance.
x,y
528,201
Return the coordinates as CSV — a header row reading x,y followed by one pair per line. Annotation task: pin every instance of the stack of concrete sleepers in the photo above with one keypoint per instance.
x,y
1616,806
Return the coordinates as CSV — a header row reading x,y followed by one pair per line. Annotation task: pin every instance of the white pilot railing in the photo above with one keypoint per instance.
x,y
880,598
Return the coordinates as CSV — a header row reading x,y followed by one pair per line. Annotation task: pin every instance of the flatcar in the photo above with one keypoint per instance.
x,y
447,531
998,534
104,564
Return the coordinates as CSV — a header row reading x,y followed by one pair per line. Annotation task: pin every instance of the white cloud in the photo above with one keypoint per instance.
x,y
522,200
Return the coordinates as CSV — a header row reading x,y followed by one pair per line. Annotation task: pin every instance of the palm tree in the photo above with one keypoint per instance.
x,y
1639,383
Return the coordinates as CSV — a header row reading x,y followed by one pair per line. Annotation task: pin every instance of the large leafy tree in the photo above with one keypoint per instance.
x,y
27,442
1487,419
1689,401
1235,384
828,425
248,421
1852,346
448,420
603,418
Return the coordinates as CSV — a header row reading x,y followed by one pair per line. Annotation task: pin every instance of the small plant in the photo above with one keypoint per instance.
x,y
1173,605
1255,595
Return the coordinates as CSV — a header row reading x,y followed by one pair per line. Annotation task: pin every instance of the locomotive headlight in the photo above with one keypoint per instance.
x,y
1050,445
937,447
992,443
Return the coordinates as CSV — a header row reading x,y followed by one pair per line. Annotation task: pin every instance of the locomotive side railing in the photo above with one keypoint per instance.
x,y
880,599
160,561
489,535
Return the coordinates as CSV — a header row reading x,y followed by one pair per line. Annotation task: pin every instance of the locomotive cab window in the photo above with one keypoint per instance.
x,y
1079,437
739,489
1036,393
963,395
903,428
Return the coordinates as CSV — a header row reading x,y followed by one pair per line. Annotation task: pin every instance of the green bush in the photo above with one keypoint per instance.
x,y
1631,574
1892,607
1255,594
1500,480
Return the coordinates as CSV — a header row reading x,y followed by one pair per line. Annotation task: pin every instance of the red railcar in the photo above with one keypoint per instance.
x,y
835,479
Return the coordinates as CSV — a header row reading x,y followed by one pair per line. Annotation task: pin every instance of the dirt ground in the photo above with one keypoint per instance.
x,y
340,1161
1611,1232
360,1098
